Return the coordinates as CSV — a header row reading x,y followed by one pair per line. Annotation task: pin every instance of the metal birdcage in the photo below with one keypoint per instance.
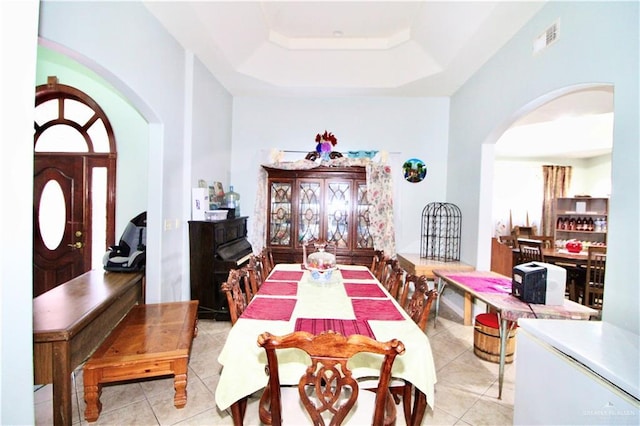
x,y
441,232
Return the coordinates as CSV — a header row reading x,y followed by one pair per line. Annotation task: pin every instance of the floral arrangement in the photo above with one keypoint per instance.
x,y
325,143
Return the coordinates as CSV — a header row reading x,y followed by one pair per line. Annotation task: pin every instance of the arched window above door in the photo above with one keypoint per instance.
x,y
67,120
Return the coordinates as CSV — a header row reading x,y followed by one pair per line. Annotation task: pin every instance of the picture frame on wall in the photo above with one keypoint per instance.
x,y
414,170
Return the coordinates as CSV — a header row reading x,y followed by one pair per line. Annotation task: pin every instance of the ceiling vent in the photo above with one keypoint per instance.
x,y
548,37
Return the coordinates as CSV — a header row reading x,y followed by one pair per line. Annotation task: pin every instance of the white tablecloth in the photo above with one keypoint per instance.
x,y
244,361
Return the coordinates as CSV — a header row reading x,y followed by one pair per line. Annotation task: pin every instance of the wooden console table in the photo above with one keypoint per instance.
x,y
416,265
152,340
69,323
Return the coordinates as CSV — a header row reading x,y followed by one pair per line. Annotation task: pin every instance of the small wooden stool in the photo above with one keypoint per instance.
x,y
151,341
486,339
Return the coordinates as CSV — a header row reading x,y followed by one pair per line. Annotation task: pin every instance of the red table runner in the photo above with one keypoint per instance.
x,y
363,290
269,308
375,309
344,327
278,288
350,274
285,276
484,284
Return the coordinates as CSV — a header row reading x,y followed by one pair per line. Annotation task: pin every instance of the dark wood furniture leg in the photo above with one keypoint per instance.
x,y
61,384
419,407
238,410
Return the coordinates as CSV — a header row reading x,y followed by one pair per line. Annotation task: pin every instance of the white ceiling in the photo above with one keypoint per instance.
x,y
357,48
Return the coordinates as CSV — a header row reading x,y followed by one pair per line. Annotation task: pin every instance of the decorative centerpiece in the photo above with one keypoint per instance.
x,y
320,263
324,144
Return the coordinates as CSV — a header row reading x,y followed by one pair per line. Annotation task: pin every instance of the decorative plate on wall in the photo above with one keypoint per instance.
x,y
414,170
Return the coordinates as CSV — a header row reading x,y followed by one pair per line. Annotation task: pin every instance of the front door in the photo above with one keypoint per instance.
x,y
74,185
62,240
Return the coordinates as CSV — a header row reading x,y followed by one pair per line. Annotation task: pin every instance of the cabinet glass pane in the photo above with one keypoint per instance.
x,y
363,234
309,220
338,202
280,220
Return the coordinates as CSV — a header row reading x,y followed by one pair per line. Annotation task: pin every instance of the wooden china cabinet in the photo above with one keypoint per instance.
x,y
324,203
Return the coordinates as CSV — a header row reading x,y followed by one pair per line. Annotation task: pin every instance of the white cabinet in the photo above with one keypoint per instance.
x,y
576,372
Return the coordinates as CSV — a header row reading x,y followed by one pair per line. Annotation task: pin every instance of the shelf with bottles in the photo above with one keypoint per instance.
x,y
581,218
581,223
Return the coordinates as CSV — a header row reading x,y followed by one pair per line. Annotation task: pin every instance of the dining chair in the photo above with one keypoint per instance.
x,y
547,240
509,240
327,391
238,291
266,259
594,285
530,250
392,278
255,273
378,255
522,231
382,267
418,308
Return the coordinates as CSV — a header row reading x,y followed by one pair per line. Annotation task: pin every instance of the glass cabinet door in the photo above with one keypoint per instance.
x,y
309,205
338,206
280,219
363,232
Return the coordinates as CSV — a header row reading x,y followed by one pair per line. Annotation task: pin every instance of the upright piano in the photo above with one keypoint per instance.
x,y
215,247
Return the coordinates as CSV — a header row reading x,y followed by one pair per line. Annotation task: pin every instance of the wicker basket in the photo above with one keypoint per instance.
x,y
486,339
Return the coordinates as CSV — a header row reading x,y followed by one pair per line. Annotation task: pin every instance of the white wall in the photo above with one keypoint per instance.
x,y
411,127
211,146
18,30
598,43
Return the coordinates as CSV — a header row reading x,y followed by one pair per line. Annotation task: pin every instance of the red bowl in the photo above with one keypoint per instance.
x,y
574,246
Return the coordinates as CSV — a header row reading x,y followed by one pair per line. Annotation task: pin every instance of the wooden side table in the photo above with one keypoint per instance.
x,y
416,265
152,340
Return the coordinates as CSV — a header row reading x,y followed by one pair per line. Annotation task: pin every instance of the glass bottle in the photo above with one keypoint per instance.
x,y
232,200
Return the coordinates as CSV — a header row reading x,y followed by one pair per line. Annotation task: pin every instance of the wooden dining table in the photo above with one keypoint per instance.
x,y
352,302
495,291
563,256
558,256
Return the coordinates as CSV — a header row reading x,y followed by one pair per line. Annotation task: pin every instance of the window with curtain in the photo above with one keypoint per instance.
x,y
556,183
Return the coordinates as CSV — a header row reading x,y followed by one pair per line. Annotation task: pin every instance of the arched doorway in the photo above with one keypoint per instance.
x,y
574,129
74,184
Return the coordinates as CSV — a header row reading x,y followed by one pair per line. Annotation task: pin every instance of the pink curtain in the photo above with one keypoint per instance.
x,y
556,184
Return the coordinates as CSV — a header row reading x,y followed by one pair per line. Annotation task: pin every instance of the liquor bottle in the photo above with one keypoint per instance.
x,y
579,225
560,223
572,224
590,225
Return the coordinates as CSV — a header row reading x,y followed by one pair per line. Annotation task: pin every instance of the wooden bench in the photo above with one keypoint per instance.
x,y
151,341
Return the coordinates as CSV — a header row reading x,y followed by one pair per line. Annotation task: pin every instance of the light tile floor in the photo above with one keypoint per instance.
x,y
466,392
